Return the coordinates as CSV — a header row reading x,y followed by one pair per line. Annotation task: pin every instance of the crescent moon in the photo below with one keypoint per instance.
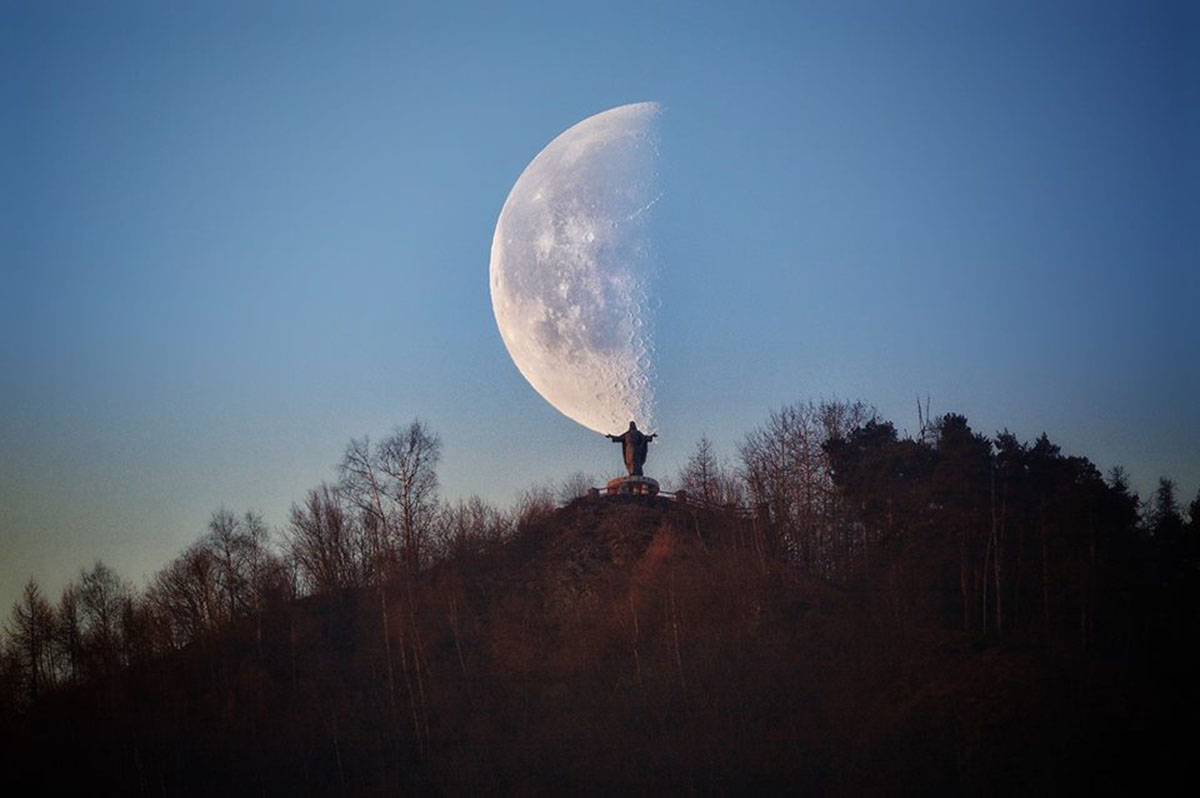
x,y
571,269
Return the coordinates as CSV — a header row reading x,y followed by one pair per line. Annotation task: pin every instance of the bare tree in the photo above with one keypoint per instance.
x,y
325,539
394,484
102,595
706,478
364,486
466,526
699,476
68,633
229,543
409,459
534,503
785,467
574,486
31,631
187,595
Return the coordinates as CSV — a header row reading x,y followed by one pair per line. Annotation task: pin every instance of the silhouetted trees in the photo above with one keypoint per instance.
x,y
574,486
846,593
470,526
68,634
229,575
185,597
1037,543
394,484
535,502
30,635
1165,520
786,471
103,596
707,479
327,541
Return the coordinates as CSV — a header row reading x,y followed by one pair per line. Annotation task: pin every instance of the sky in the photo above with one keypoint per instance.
x,y
234,236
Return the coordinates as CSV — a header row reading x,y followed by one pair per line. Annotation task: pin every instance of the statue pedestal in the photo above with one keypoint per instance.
x,y
632,486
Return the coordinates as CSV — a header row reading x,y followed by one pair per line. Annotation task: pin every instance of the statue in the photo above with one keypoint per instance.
x,y
634,447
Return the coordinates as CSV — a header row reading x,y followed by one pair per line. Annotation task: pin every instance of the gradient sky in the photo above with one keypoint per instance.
x,y
235,236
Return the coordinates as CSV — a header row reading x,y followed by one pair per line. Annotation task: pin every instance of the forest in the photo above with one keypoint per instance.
x,y
837,608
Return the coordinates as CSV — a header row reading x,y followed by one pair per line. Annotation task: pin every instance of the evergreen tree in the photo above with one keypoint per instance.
x,y
1166,522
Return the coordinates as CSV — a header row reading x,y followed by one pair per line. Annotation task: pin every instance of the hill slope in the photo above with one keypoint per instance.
x,y
626,644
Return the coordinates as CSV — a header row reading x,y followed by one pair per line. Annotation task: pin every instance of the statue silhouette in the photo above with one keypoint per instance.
x,y
634,446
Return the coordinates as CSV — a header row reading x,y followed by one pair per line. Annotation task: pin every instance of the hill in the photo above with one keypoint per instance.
x,y
637,645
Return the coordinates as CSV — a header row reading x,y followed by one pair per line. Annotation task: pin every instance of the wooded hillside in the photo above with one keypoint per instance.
x,y
847,611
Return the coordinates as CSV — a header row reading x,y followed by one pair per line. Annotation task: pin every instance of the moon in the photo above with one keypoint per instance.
x,y
572,269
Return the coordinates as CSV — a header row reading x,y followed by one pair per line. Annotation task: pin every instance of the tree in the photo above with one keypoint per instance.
x,y
31,632
785,467
68,632
230,543
409,458
1124,502
1045,465
534,503
885,487
862,467
781,467
1009,504
574,486
963,493
363,485
102,595
1165,521
700,476
186,595
394,484
325,540
247,571
467,526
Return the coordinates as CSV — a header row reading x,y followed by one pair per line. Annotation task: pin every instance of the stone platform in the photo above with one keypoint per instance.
x,y
632,486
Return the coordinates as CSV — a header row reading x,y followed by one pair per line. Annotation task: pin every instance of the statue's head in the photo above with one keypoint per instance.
x,y
632,425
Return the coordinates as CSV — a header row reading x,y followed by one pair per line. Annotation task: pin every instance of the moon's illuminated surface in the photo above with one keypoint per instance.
x,y
571,270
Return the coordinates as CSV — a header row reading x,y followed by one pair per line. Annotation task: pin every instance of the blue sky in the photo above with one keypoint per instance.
x,y
235,236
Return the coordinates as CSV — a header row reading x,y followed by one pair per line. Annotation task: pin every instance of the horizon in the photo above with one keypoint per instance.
x,y
237,239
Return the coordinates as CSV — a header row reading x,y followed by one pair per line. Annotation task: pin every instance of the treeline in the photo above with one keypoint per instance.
x,y
820,596
991,534
382,520
1023,536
